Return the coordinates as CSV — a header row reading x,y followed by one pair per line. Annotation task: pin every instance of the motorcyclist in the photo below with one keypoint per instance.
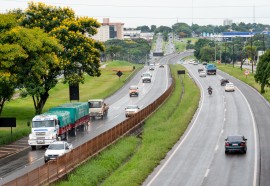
x,y
210,89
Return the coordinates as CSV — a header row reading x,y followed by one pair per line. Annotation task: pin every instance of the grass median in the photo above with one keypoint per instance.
x,y
94,87
160,132
248,79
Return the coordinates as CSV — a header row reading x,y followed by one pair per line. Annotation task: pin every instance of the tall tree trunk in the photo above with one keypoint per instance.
x,y
39,102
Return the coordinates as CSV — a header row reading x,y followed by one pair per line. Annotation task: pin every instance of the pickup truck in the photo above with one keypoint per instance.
x,y
98,108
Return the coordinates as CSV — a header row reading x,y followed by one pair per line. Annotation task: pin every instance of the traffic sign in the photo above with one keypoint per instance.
x,y
247,72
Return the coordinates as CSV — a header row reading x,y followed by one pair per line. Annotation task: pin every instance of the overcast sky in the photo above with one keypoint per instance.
x,y
135,13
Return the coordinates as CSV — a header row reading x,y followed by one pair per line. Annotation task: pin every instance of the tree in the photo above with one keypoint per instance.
x,y
207,53
143,28
198,45
9,54
80,54
153,28
182,29
37,73
262,75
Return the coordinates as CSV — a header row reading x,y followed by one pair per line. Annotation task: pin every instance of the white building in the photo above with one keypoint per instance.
x,y
109,31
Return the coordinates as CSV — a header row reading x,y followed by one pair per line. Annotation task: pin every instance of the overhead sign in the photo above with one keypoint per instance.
x,y
181,72
158,54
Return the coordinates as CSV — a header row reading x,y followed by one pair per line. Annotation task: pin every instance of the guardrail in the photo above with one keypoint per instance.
x,y
54,170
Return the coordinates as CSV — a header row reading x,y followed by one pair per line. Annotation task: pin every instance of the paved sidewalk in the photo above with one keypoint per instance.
x,y
13,148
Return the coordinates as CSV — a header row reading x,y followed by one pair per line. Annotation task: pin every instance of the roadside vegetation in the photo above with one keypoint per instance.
x,y
160,132
23,109
249,79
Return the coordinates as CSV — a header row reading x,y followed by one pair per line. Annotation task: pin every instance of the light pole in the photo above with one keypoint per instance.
x,y
251,53
215,50
233,52
225,60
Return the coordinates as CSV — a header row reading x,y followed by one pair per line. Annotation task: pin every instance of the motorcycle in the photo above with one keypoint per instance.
x,y
210,92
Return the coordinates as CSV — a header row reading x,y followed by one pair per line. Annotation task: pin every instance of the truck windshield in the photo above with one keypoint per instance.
x,y
94,104
39,124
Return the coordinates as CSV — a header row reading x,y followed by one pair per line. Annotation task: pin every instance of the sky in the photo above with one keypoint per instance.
x,y
135,13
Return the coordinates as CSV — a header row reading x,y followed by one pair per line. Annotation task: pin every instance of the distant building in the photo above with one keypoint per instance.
x,y
227,22
109,31
131,33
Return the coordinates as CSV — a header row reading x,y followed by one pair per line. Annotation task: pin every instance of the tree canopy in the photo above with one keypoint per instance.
x,y
262,75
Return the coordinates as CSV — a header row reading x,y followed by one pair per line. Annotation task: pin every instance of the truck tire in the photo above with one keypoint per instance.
x,y
74,131
33,147
66,136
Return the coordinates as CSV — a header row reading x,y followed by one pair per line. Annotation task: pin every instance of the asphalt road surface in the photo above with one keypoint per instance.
x,y
148,92
199,157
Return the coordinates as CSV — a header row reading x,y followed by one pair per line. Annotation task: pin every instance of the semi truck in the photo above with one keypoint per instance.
x,y
58,122
211,69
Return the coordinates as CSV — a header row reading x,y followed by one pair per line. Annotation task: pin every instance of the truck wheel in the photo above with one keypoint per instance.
x,y
74,131
66,136
33,147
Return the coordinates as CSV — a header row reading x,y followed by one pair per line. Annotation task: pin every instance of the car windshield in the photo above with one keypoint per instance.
x,y
94,104
133,88
235,138
146,75
229,84
132,107
58,146
40,124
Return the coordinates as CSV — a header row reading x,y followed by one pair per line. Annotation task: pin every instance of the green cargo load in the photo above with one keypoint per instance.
x,y
63,116
77,110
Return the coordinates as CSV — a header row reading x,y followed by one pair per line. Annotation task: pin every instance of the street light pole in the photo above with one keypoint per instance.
x,y
233,51
225,51
215,50
251,54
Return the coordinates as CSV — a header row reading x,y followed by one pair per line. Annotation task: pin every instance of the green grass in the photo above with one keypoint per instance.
x,y
98,168
94,87
161,131
239,74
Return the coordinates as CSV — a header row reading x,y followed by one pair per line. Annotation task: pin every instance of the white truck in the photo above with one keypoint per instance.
x,y
57,123
98,108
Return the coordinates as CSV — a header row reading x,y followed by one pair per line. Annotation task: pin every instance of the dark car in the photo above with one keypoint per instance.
x,y
161,66
204,63
223,82
200,69
236,143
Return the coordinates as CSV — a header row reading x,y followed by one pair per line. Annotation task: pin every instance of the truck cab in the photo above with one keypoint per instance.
x,y
98,108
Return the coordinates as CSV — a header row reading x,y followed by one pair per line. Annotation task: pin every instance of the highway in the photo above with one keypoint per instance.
x,y
199,158
148,92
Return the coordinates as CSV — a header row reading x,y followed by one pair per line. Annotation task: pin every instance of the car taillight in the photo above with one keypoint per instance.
x,y
242,144
227,144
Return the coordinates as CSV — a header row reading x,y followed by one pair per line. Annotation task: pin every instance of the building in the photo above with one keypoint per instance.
x,y
109,30
227,22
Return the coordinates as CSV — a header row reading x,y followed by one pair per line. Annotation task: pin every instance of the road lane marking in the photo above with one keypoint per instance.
x,y
184,138
206,173
216,148
255,141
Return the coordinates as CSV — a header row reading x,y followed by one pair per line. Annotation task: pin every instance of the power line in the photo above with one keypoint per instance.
x,y
150,6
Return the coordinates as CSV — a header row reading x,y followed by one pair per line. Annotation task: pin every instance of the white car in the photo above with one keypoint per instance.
x,y
57,149
151,67
146,77
131,109
229,87
202,74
